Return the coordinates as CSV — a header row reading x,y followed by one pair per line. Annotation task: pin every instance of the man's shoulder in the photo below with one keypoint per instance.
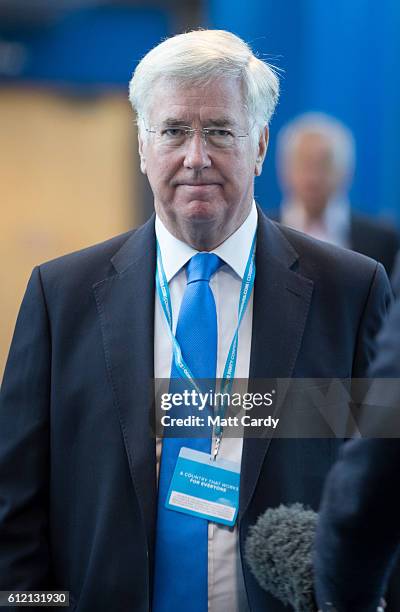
x,y
101,259
77,272
346,285
317,255
105,248
316,258
94,260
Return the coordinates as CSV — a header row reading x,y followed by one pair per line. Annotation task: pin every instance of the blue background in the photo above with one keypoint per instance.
x,y
339,57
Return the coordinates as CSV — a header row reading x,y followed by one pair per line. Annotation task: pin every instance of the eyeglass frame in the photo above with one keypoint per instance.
x,y
189,131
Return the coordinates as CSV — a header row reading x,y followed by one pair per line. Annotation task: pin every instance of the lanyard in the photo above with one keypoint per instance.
x,y
230,364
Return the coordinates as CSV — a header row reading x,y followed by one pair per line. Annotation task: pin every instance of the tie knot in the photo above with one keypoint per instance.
x,y
202,266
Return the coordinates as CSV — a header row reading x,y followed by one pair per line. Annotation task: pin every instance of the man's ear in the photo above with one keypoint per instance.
x,y
262,150
142,155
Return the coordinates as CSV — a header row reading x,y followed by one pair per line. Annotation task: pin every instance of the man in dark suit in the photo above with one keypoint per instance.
x,y
359,529
79,468
315,161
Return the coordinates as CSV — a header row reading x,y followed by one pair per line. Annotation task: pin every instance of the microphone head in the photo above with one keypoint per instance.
x,y
279,551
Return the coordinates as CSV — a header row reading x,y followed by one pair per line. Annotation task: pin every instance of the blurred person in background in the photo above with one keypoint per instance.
x,y
315,160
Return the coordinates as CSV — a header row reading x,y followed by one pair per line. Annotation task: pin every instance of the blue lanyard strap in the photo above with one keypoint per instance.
x,y
165,301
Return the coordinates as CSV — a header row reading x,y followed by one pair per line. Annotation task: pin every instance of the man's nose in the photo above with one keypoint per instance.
x,y
196,155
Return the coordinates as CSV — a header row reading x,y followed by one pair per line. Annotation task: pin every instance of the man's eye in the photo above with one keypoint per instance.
x,y
173,132
219,133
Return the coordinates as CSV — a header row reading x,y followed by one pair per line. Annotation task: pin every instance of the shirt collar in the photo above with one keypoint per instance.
x,y
234,251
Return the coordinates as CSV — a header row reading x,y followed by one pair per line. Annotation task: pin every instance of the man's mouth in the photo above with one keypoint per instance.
x,y
188,184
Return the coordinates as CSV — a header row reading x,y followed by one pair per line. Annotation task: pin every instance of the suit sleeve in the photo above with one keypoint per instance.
x,y
24,448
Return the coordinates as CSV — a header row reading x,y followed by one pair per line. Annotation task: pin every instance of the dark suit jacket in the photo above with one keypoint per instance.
x,y
359,527
368,236
77,463
395,276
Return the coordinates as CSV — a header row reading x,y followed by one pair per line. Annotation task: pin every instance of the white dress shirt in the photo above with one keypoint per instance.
x,y
226,589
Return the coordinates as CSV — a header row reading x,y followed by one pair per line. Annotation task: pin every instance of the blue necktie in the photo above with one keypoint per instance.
x,y
181,560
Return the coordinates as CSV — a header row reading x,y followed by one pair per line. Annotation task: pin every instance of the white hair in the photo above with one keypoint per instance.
x,y
339,137
200,56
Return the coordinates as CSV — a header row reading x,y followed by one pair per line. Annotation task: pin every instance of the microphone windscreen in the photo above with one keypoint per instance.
x,y
279,551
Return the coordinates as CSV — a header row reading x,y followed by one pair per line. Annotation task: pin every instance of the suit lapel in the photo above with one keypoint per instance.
x,y
125,303
280,308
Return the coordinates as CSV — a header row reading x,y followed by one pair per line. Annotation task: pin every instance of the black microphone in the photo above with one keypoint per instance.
x,y
279,552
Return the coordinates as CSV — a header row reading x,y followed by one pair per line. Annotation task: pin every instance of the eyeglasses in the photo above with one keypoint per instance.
x,y
219,138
